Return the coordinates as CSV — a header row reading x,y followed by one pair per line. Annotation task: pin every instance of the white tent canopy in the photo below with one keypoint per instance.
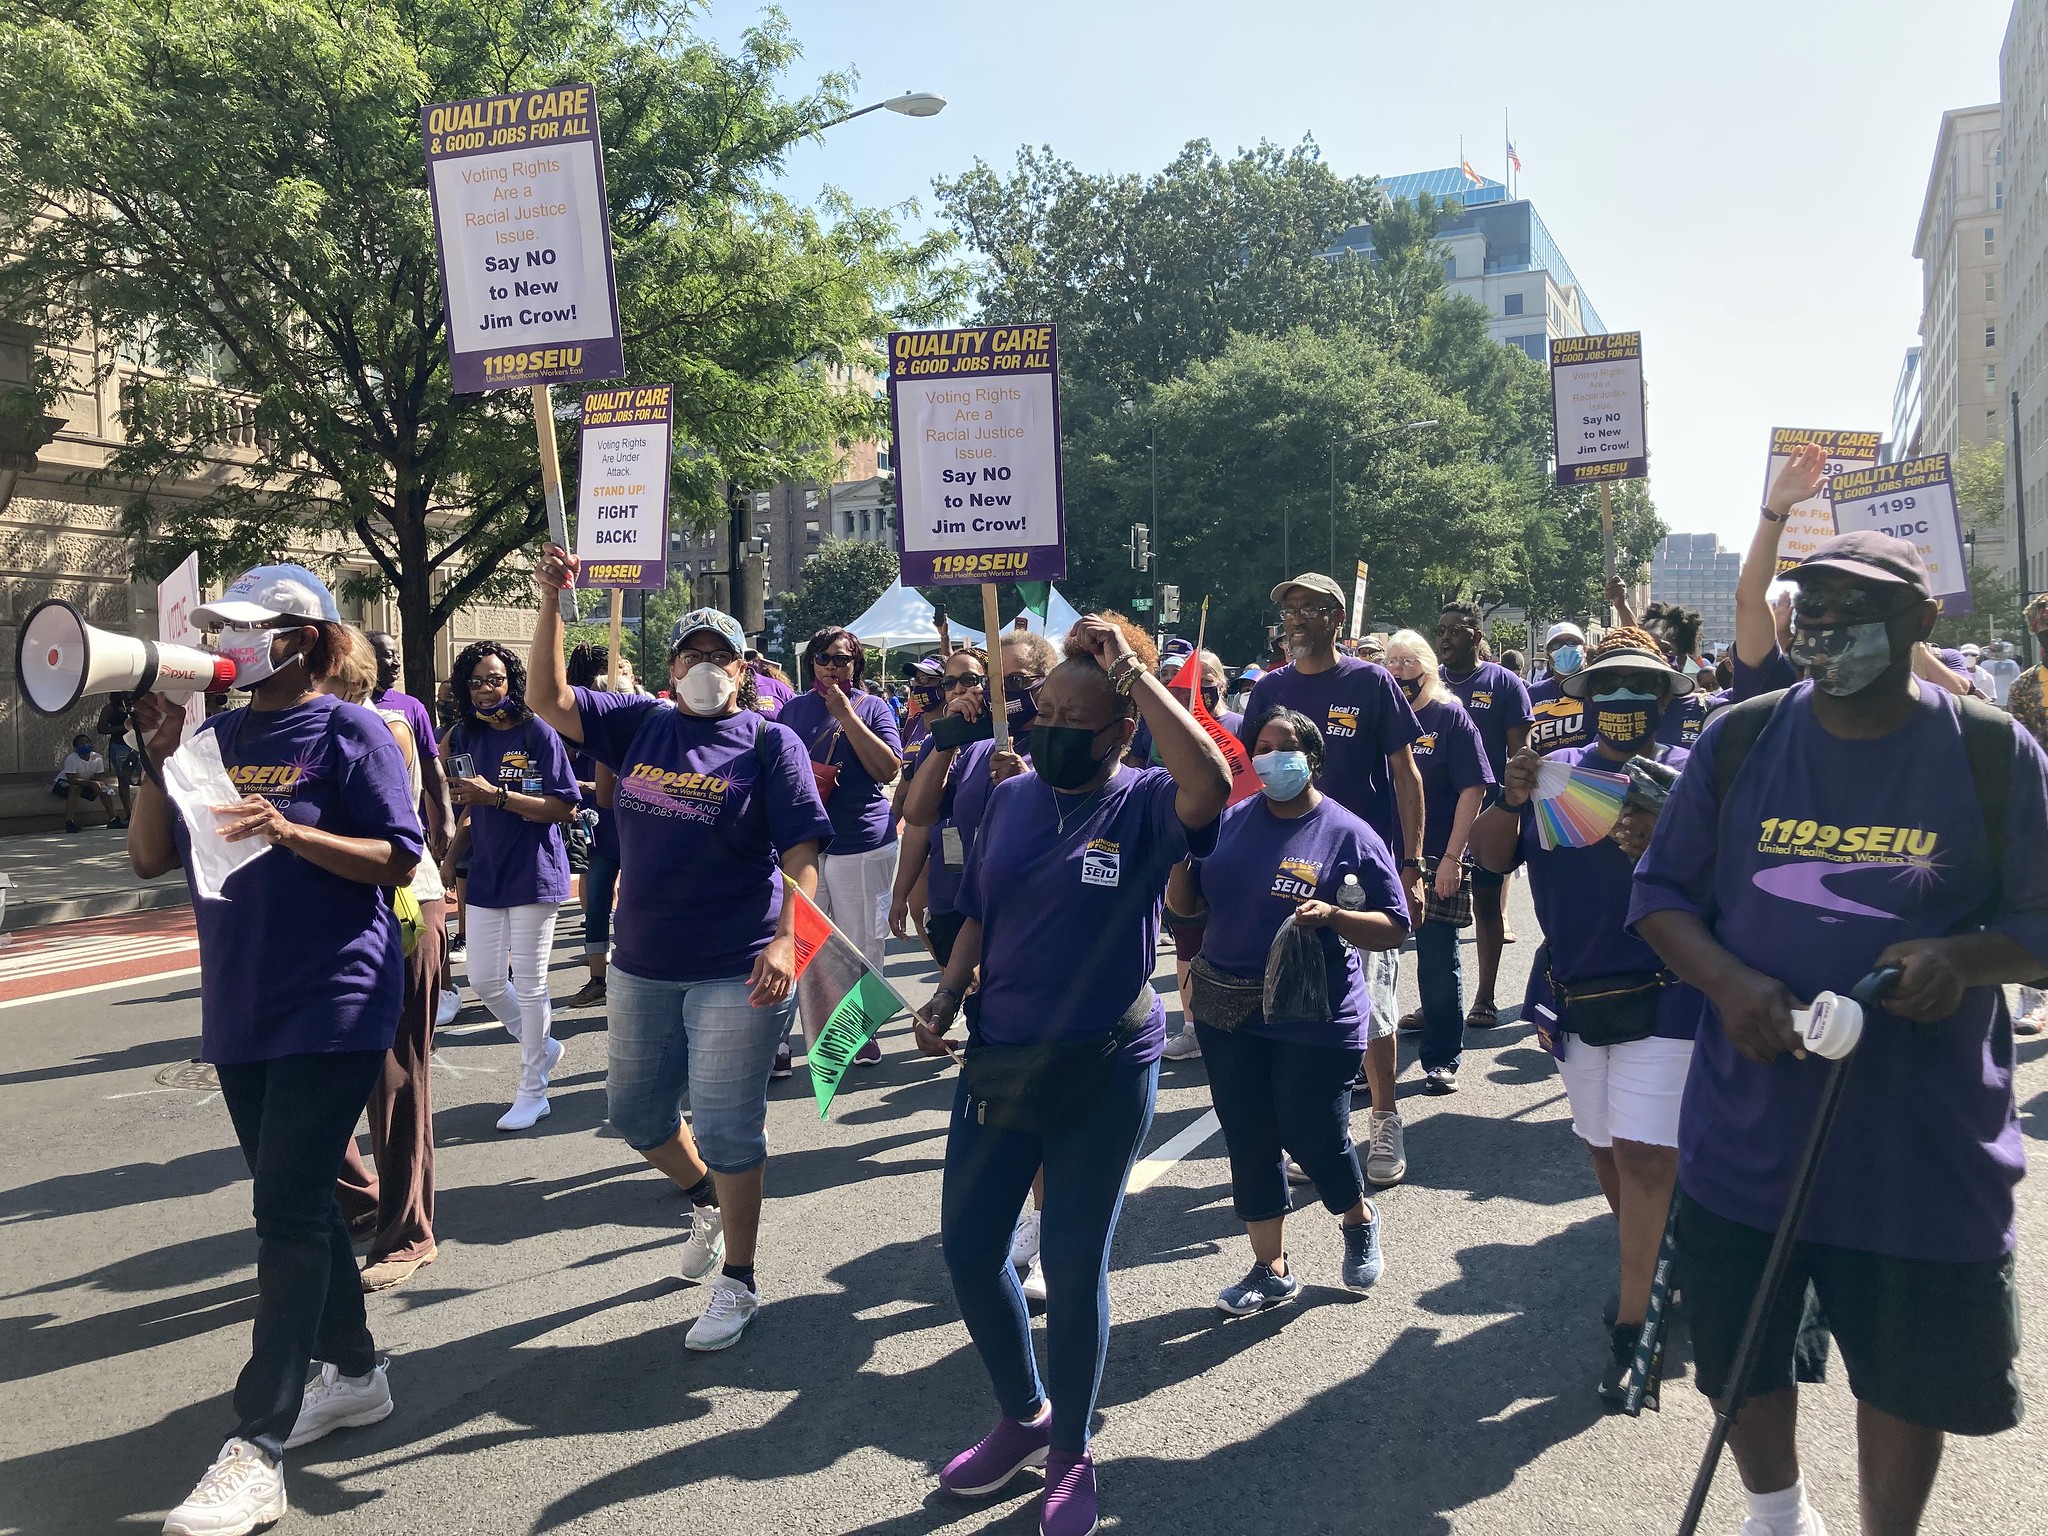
x,y
1060,616
901,619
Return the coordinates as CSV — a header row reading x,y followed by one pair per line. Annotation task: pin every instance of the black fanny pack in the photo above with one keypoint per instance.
x,y
1222,1000
1613,1010
1048,1085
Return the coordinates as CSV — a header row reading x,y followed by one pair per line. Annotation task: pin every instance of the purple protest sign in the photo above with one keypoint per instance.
x,y
524,239
976,415
622,487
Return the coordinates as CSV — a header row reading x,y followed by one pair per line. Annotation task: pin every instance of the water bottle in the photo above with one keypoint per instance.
x,y
1832,1027
1351,895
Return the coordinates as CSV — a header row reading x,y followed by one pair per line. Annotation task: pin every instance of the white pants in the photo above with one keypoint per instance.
x,y
1628,1091
853,890
516,940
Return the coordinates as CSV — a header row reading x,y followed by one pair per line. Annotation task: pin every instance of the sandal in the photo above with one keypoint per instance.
x,y
1482,1017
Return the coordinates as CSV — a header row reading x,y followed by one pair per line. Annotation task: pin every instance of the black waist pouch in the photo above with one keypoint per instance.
x,y
1613,1010
1049,1085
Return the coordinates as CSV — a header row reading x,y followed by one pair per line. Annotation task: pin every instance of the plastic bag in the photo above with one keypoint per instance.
x,y
1297,982
196,780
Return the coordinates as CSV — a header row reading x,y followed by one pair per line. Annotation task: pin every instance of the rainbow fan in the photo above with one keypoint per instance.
x,y
1576,807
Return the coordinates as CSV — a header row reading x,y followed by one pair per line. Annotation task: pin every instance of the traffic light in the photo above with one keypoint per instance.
x,y
1169,604
1141,547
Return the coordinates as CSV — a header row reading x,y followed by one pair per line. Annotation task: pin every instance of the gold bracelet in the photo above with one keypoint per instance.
x,y
1123,674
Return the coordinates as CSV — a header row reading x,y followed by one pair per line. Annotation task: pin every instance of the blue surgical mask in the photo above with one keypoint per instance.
x,y
1282,775
1567,659
1623,717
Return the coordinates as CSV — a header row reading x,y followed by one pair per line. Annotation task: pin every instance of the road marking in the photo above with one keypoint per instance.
x,y
104,986
1153,1168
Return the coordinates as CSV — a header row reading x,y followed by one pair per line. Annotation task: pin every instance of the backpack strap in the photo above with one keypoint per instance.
x,y
1740,726
1987,742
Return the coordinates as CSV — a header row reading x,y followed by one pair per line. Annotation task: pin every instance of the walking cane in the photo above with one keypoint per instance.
x,y
1646,1371
1831,1031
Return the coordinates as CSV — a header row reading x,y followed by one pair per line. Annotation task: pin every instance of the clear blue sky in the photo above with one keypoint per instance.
x,y
1741,184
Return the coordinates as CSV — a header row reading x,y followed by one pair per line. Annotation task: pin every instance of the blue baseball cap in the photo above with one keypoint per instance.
x,y
271,592
724,625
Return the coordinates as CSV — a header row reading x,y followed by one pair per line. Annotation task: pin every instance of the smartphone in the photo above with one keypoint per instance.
x,y
462,765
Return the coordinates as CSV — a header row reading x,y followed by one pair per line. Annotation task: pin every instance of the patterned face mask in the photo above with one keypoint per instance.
x,y
1842,659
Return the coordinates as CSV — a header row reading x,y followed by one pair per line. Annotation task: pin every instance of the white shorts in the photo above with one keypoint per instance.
x,y
1629,1091
1382,983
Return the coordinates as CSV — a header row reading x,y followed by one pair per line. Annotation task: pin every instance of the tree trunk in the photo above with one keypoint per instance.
x,y
415,600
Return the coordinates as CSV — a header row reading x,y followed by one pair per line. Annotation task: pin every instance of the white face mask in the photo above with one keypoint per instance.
x,y
250,650
706,689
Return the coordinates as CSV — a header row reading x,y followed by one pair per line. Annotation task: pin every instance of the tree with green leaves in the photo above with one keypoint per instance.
x,y
232,193
840,582
1979,471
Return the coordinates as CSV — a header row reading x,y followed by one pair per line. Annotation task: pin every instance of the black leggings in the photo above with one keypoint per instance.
x,y
1276,1098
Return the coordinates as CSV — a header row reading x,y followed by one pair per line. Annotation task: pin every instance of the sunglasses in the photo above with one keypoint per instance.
x,y
962,683
1850,605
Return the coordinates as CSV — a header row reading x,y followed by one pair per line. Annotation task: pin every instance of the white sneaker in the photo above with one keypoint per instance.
x,y
1386,1159
1025,1240
1034,1281
334,1401
733,1305
706,1243
1808,1523
554,1051
527,1110
1183,1046
1296,1174
451,1005
241,1490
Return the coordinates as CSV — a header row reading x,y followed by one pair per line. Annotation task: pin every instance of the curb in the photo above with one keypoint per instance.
x,y
24,915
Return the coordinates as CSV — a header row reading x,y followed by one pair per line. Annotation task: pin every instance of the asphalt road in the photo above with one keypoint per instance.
x,y
542,1384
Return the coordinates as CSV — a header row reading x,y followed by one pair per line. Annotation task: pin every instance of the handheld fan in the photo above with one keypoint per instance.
x,y
1576,807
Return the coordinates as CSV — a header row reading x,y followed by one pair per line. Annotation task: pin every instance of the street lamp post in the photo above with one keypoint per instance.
x,y
912,104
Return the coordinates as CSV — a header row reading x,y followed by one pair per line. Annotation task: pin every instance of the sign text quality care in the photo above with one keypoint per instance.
x,y
977,422
622,487
1596,389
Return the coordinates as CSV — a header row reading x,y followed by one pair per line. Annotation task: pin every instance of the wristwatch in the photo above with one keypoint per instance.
x,y
1414,864
1773,517
1496,797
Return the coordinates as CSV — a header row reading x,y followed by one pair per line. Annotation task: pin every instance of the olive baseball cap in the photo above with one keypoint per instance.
x,y
1314,582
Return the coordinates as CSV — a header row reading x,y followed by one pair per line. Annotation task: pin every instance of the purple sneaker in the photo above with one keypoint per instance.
x,y
1069,1495
1004,1452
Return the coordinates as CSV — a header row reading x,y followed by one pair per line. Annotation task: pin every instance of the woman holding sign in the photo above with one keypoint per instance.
x,y
1061,893
717,812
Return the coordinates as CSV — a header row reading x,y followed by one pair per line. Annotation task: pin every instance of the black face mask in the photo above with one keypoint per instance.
x,y
1410,686
1022,709
1064,755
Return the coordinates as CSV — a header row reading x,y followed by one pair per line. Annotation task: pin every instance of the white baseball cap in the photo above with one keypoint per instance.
x,y
270,592
1565,631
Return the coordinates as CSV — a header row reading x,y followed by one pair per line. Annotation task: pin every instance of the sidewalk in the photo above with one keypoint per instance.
x,y
60,877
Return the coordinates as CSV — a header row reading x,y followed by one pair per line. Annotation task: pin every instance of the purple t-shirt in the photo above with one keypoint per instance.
x,y
1363,716
1826,852
417,717
858,806
1775,673
771,693
1452,759
293,960
702,807
964,804
1069,913
1497,701
514,862
1558,719
1263,867
1682,720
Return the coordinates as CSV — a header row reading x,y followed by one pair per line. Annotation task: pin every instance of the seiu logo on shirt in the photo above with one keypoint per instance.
x,y
1296,879
1423,745
1819,851
516,772
267,778
666,793
1558,723
1343,720
1482,698
1102,863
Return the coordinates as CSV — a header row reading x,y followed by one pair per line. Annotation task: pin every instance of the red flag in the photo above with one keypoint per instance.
x,y
1244,780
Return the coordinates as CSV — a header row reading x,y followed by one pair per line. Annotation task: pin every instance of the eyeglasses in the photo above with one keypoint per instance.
x,y
1020,682
1455,629
690,658
1851,605
832,659
479,684
1402,663
1306,610
961,683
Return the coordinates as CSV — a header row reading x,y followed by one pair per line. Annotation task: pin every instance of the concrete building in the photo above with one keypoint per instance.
x,y
2023,121
1498,253
1903,442
1694,571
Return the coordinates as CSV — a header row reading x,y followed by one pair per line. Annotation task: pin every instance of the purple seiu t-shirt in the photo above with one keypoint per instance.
x,y
1364,717
1497,701
1069,912
514,862
770,694
1825,852
1775,673
294,960
418,718
859,807
702,806
1582,900
1682,719
1558,720
1452,759
1262,868
960,811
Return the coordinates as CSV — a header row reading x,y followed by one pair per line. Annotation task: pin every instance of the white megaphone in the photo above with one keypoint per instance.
x,y
59,659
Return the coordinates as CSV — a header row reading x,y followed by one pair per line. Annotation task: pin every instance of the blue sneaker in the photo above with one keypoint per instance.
x,y
1363,1260
1259,1289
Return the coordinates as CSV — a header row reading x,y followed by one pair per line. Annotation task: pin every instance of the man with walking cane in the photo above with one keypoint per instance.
x,y
1856,822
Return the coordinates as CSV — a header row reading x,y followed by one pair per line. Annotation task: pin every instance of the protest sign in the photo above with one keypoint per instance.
x,y
177,596
1596,395
622,487
1912,499
524,239
1813,520
976,415
1358,601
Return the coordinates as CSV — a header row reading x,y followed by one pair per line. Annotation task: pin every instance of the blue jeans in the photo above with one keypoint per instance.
x,y
988,1176
701,1035
600,890
1275,1097
1441,979
294,1116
